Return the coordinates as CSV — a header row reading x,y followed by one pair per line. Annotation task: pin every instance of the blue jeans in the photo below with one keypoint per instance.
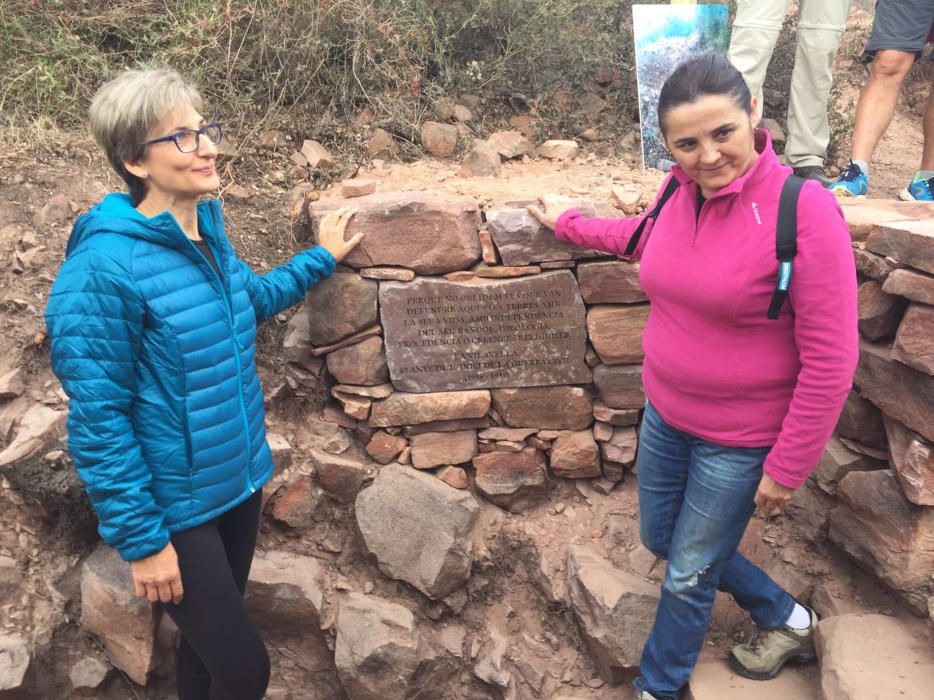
x,y
695,500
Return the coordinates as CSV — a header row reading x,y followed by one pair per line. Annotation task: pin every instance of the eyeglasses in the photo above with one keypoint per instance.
x,y
188,140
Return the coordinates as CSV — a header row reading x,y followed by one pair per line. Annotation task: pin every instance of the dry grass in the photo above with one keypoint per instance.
x,y
309,66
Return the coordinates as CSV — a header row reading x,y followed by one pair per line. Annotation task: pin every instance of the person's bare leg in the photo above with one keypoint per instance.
x,y
927,155
876,104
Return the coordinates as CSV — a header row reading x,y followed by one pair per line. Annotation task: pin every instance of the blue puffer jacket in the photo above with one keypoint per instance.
x,y
156,352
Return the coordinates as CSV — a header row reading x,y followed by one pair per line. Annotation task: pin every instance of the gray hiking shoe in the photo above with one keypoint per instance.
x,y
764,655
813,172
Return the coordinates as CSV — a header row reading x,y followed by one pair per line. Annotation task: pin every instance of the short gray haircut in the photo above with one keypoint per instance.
x,y
125,110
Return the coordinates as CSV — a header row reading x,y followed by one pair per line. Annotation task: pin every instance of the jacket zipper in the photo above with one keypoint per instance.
x,y
233,340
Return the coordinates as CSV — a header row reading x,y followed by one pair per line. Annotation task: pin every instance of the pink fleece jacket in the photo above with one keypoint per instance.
x,y
715,366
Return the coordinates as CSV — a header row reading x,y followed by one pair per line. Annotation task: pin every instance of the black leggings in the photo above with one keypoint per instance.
x,y
220,656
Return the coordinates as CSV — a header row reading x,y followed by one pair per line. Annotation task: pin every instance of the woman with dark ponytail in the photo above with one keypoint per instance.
x,y
742,397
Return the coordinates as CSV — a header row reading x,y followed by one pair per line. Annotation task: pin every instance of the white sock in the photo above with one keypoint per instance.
x,y
864,166
800,618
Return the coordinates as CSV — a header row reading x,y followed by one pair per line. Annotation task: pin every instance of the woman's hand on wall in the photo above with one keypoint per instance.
x,y
772,496
331,233
554,205
158,577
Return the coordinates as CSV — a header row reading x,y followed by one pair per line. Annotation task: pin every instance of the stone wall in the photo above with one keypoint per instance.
x,y
876,479
453,340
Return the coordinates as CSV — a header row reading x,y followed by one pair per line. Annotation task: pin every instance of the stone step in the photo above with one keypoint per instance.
x,y
715,680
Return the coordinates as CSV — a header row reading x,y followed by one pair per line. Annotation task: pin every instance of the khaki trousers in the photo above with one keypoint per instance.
x,y
820,26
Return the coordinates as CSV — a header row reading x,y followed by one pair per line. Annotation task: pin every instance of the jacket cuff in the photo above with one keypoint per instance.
x,y
564,222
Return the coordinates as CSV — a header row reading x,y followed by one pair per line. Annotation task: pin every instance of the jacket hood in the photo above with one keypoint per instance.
x,y
116,214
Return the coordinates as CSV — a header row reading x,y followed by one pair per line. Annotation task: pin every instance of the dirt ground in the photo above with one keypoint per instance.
x,y
43,190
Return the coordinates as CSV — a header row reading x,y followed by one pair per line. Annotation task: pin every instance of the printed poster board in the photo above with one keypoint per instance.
x,y
664,36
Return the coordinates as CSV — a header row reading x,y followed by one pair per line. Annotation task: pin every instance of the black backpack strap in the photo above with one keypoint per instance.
x,y
666,195
786,241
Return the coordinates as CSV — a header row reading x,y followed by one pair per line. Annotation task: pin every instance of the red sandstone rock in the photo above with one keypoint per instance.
x,y
555,407
412,409
446,426
440,230
524,123
521,239
874,266
295,502
610,282
340,477
395,274
111,610
621,448
773,127
592,104
439,139
362,364
488,248
879,313
614,610
838,461
12,384
913,461
715,680
864,215
381,145
616,332
861,420
418,528
384,447
357,187
615,416
513,434
914,343
354,406
514,481
620,387
317,155
575,455
899,391
909,242
339,306
482,161
454,477
912,285
863,657
557,149
435,449
510,144
891,537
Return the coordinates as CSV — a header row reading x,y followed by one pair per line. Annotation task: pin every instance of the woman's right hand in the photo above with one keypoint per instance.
x,y
554,205
331,233
157,577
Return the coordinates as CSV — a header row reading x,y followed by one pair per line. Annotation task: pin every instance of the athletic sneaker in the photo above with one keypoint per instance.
x,y
764,655
852,182
813,172
918,190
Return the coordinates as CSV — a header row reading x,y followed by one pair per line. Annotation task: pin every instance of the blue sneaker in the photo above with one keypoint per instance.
x,y
918,190
852,182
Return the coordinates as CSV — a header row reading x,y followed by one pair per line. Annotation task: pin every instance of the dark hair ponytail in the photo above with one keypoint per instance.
x,y
708,74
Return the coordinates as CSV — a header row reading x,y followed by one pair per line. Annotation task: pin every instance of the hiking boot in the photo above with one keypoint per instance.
x,y
852,182
764,655
644,695
918,190
813,172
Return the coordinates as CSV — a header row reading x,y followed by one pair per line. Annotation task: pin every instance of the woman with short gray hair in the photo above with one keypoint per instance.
x,y
153,322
